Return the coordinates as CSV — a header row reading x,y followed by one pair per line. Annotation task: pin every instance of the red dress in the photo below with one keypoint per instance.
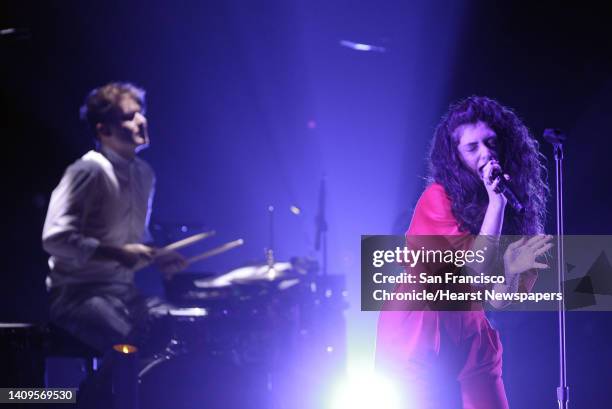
x,y
441,359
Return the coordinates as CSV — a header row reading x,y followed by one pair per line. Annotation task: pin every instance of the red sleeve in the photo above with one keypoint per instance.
x,y
433,216
433,227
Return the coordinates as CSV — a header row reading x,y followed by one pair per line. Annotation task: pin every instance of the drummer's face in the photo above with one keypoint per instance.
x,y
127,132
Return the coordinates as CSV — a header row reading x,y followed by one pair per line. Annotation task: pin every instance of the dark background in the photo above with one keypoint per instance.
x,y
252,103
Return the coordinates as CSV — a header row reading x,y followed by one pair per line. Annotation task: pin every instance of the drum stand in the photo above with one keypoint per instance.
x,y
160,357
321,227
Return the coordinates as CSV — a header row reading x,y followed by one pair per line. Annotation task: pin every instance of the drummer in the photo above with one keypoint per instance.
x,y
96,225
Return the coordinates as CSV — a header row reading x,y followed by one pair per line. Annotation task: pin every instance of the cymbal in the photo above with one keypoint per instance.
x,y
249,274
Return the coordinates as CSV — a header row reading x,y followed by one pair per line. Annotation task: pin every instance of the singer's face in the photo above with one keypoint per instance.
x,y
127,134
477,145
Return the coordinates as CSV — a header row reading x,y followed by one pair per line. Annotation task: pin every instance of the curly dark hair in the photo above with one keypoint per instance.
x,y
518,155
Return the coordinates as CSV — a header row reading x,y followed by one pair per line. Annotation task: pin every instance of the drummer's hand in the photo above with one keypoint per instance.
x,y
132,255
170,262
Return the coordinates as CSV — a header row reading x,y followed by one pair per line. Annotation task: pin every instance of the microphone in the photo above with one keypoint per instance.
x,y
554,136
507,191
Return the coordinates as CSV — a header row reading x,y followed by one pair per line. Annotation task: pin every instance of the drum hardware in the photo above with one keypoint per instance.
x,y
321,227
245,331
188,312
173,349
259,328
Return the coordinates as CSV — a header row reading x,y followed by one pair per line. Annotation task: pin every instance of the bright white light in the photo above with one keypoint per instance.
x,y
366,390
361,46
188,312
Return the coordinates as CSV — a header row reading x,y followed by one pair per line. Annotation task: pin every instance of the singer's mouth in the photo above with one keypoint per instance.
x,y
481,169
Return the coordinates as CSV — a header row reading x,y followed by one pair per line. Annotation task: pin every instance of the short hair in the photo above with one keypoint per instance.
x,y
102,103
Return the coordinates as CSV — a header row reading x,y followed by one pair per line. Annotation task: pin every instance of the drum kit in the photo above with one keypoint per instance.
x,y
253,329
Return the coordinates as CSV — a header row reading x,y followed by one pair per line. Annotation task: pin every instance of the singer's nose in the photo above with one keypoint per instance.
x,y
486,153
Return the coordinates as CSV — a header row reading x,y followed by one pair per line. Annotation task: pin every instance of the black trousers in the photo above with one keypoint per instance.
x,y
105,314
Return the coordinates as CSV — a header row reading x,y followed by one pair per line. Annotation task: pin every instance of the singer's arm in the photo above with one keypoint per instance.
x,y
487,240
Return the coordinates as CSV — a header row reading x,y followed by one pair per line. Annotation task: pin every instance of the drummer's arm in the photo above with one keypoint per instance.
x,y
71,202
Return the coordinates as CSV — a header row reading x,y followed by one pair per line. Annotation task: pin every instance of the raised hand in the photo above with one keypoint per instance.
x,y
491,182
521,256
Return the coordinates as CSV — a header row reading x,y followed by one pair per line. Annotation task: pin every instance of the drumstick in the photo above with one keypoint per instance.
x,y
174,246
187,241
215,251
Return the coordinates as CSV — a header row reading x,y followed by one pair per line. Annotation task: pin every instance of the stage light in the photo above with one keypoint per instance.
x,y
366,390
125,348
361,46
125,376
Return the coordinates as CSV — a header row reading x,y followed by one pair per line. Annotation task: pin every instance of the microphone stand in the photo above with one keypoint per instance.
x,y
321,226
556,138
270,250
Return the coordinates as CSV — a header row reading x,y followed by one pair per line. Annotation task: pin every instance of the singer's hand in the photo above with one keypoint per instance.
x,y
522,255
491,182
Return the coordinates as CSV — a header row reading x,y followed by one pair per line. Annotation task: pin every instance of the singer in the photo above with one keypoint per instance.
x,y
447,359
